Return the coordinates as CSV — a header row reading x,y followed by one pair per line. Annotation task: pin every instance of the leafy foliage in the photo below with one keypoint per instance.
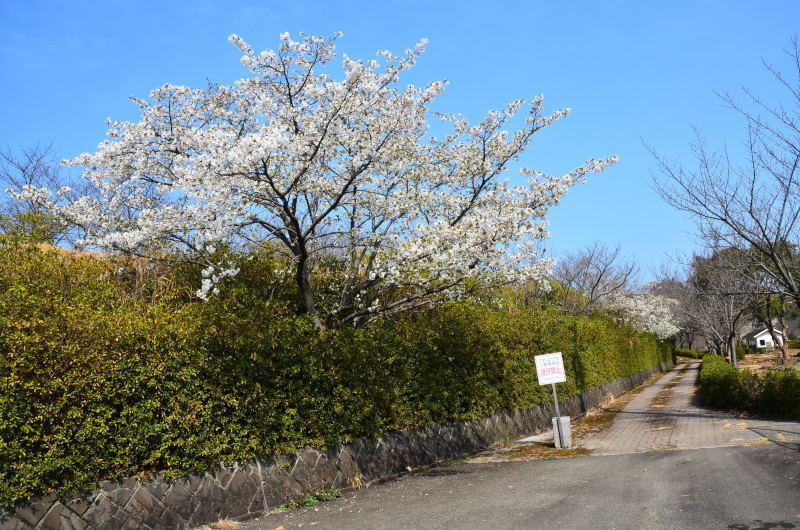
x,y
312,500
776,393
691,354
106,374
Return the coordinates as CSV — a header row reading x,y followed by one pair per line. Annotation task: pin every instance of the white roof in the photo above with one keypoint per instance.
x,y
765,331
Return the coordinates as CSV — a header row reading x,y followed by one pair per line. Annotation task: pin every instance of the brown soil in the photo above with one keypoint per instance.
x,y
761,362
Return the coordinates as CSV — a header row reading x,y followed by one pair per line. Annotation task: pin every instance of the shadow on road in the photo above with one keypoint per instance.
x,y
778,437
761,525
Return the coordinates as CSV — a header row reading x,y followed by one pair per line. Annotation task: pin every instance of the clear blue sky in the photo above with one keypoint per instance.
x,y
631,70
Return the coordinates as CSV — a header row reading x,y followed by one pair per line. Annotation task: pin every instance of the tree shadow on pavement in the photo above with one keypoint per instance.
x,y
762,525
782,437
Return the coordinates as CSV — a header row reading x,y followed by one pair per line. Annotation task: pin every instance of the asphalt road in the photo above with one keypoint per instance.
x,y
728,487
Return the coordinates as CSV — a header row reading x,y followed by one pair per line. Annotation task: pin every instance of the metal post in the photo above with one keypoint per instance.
x,y
558,418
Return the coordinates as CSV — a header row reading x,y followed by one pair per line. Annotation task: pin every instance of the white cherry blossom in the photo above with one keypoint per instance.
x,y
341,168
647,312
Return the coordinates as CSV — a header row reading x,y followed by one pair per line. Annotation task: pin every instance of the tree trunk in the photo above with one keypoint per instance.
x,y
732,351
784,336
303,280
775,339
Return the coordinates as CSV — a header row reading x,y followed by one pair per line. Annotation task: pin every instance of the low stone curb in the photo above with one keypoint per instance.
x,y
250,488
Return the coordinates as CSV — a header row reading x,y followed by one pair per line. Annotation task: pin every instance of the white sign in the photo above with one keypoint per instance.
x,y
550,368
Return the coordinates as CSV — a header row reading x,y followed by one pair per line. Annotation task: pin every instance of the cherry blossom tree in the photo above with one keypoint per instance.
x,y
322,168
647,312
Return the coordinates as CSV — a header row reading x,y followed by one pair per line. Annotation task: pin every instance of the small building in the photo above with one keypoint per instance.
x,y
763,339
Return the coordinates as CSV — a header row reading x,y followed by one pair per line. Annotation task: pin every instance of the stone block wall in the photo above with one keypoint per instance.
x,y
250,488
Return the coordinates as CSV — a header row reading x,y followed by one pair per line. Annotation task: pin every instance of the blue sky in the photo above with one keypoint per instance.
x,y
632,71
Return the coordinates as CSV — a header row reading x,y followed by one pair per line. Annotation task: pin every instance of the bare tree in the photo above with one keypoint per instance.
x,y
754,203
712,297
699,313
592,276
772,312
36,166
31,166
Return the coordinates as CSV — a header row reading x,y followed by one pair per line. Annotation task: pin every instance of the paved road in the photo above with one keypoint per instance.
x,y
749,477
668,415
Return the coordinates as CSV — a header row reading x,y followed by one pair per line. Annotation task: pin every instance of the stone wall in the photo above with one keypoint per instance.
x,y
246,489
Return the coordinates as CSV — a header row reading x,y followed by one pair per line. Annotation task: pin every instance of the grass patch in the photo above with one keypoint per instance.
x,y
311,500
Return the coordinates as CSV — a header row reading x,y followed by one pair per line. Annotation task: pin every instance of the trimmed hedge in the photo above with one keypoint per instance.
x,y
103,376
691,354
776,393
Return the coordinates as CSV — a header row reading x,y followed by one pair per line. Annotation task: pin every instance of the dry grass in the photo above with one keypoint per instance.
x,y
46,247
663,397
225,524
533,451
222,524
761,362
358,481
600,418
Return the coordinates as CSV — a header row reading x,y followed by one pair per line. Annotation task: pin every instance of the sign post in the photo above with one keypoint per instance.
x,y
549,371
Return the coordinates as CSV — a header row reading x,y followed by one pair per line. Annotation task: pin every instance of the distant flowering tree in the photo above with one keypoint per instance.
x,y
647,312
344,169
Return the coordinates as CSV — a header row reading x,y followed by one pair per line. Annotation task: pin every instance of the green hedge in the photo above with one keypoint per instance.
x,y
741,353
691,354
776,393
104,376
794,344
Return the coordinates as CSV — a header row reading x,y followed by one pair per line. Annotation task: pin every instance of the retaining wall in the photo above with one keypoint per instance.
x,y
249,488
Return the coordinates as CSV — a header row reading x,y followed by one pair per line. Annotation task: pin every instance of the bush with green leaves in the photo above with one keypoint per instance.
x,y
775,393
780,394
691,354
105,373
720,383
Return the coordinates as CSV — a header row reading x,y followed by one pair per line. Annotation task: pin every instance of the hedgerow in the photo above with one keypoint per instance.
x,y
775,393
103,374
691,354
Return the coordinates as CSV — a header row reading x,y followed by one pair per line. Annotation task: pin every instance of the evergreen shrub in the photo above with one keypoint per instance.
x,y
691,354
104,374
775,393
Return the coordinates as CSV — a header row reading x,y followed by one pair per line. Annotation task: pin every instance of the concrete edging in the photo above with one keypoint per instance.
x,y
252,487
